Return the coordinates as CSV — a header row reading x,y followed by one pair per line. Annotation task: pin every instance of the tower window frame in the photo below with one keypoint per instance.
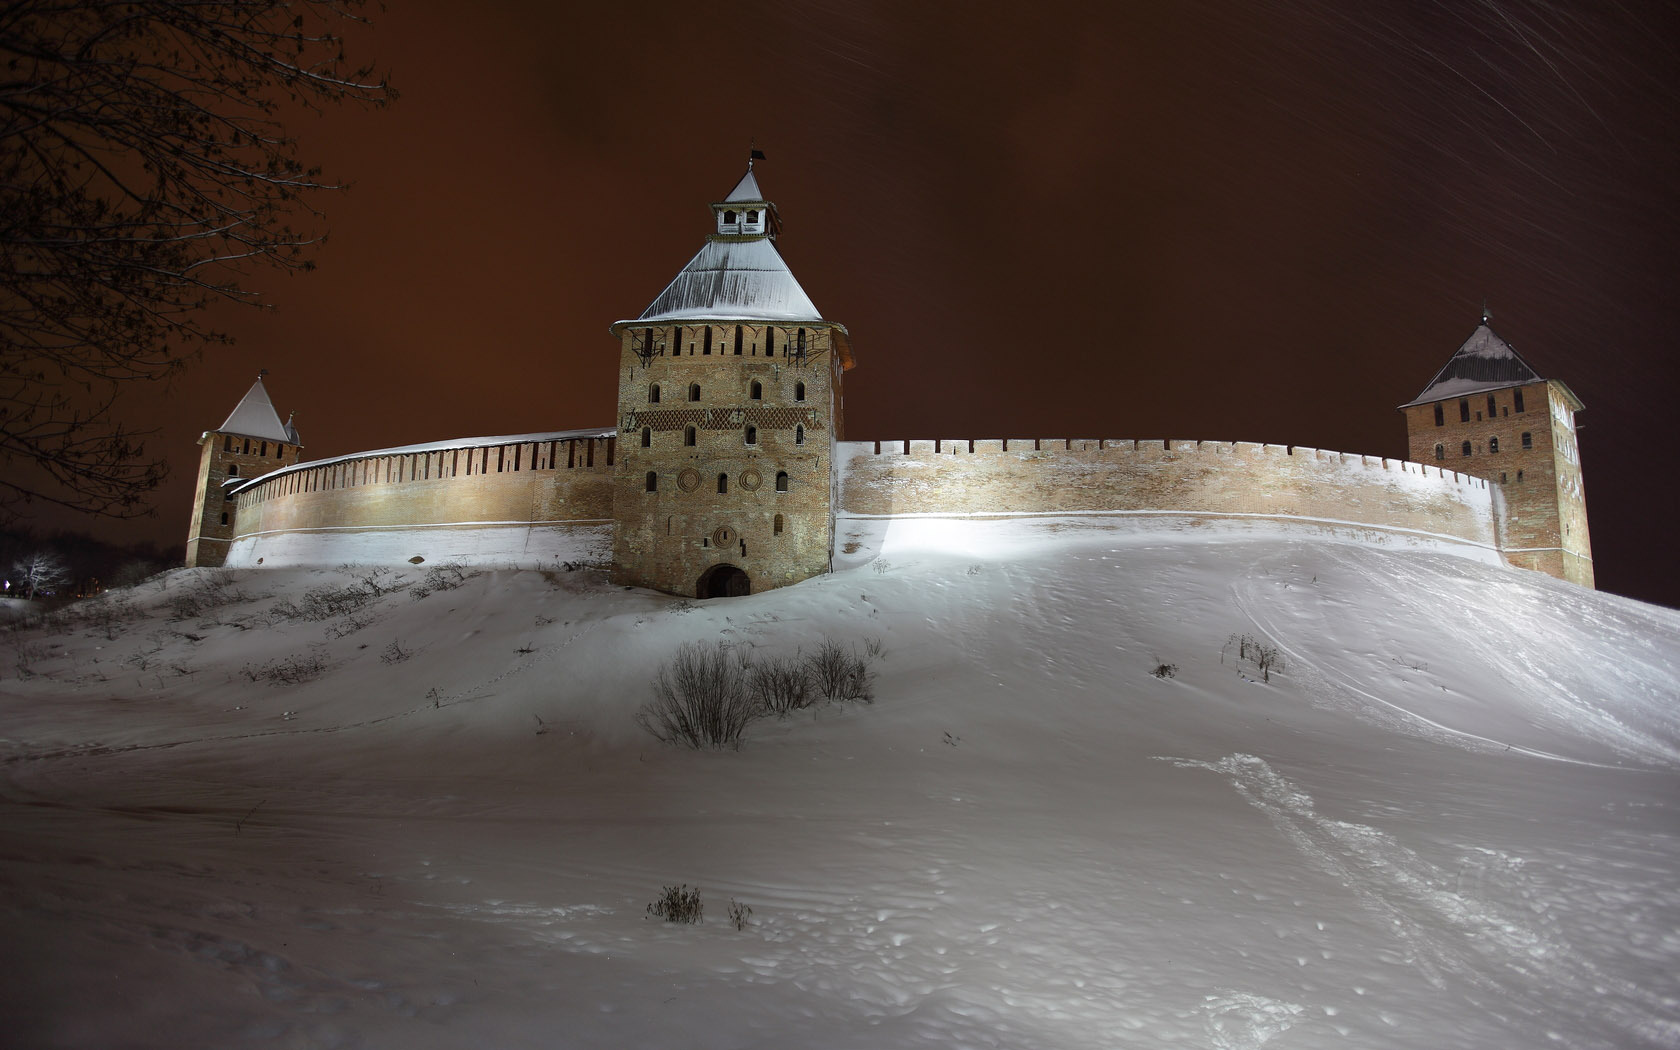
x,y
690,437
799,392
723,484
653,481
1440,451
1466,448
1464,410
781,481
694,391
647,437
1493,446
756,391
1527,438
1440,415
653,394
750,434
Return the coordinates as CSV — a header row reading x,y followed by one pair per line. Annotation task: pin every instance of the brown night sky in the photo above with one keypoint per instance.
x,y
1255,221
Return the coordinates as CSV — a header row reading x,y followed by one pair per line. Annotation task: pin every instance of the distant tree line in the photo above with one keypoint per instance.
x,y
68,564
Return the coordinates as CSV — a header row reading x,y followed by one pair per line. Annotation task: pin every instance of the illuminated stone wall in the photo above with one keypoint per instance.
x,y
527,492
1059,476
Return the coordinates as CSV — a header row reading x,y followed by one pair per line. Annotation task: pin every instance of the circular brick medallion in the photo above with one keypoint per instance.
x,y
751,479
723,536
688,480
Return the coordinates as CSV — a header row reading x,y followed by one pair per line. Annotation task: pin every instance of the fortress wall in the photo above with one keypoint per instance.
x,y
516,498
1059,475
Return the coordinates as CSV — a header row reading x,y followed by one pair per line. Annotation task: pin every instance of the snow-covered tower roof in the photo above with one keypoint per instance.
x,y
255,417
1484,363
738,275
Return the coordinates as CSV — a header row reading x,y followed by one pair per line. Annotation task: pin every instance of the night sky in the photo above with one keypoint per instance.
x,y
1228,220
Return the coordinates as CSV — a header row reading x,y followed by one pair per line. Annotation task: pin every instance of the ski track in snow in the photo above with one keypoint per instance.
x,y
1456,939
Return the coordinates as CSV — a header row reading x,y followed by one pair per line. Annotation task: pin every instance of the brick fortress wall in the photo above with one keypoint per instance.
x,y
525,494
1061,476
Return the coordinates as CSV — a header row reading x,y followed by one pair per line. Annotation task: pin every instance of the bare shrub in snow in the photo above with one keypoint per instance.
x,y
840,673
677,904
1164,669
291,670
739,914
780,684
1266,658
395,653
209,589
28,654
700,699
445,577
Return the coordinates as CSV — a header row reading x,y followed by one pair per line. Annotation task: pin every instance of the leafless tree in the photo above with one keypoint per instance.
x,y
144,173
37,572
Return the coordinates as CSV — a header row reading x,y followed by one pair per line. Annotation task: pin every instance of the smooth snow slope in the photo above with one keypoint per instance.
x,y
1450,821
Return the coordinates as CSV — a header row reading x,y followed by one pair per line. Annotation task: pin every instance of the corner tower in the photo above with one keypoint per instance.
x,y
251,443
1489,414
729,406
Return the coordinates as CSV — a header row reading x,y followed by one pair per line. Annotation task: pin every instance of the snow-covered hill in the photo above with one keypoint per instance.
x,y
1452,819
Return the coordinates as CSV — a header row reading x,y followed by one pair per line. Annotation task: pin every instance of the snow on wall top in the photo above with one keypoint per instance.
x,y
255,417
1485,362
433,446
734,280
745,190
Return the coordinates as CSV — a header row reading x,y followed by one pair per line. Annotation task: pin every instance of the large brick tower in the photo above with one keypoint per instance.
x,y
251,443
1489,414
729,405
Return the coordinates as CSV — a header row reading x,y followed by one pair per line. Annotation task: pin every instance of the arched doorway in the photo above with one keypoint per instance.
x,y
723,581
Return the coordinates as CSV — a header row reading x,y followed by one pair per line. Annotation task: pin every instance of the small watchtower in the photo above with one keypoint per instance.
x,y
1489,414
251,443
729,406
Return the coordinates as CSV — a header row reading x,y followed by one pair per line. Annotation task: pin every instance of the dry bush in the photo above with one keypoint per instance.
x,y
780,685
700,699
840,674
677,904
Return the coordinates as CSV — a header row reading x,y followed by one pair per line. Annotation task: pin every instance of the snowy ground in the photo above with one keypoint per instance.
x,y
1450,821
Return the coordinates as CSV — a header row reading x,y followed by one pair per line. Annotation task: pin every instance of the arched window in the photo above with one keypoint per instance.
x,y
799,434
1440,451
757,391
799,391
1493,410
1493,444
233,471
1528,438
653,394
752,215
752,435
1516,398
802,340
224,517
676,340
1440,415
706,342
264,451
227,443
723,483
694,391
778,525
652,481
688,436
737,340
728,216
247,446
781,481
1467,448
647,437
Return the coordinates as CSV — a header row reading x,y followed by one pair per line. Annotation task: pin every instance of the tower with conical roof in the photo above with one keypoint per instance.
x,y
729,406
249,444
1487,413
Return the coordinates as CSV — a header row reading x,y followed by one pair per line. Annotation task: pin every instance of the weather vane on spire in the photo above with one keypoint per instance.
x,y
753,153
1487,315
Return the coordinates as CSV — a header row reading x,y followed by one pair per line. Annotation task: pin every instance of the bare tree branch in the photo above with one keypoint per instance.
x,y
143,174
